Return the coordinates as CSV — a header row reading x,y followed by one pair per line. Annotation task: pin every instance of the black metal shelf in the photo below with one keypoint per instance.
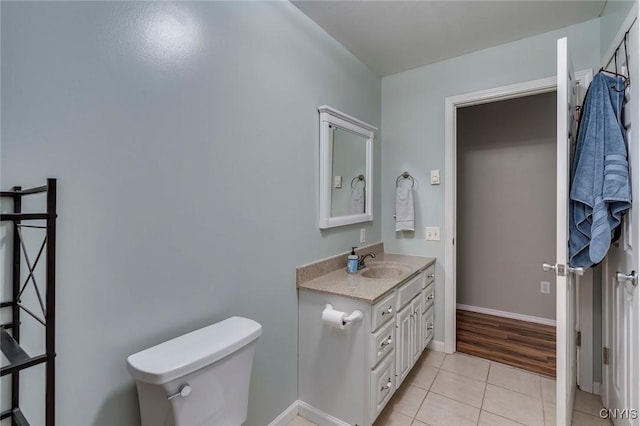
x,y
10,341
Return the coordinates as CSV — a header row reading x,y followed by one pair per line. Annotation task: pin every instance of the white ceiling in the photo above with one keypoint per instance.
x,y
395,36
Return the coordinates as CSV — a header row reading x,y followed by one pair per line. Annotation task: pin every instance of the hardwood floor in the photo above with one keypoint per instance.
x,y
522,344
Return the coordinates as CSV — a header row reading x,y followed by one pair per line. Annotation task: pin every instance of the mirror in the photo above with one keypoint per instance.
x,y
346,159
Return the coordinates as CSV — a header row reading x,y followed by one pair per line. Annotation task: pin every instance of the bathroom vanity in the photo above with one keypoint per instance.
x,y
347,376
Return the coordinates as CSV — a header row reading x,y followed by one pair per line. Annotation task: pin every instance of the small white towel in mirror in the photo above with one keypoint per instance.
x,y
357,201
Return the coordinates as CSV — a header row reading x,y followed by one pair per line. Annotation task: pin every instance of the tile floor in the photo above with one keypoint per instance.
x,y
460,390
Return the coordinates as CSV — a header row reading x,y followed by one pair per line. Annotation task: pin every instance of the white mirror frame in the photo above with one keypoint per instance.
x,y
331,116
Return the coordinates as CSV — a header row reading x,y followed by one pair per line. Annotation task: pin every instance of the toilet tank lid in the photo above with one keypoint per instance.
x,y
189,352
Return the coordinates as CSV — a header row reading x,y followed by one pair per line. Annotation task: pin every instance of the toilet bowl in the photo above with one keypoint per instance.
x,y
198,379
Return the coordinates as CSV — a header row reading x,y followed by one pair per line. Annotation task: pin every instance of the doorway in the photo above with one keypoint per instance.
x,y
506,209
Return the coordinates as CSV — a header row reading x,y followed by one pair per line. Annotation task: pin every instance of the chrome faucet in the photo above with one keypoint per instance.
x,y
361,259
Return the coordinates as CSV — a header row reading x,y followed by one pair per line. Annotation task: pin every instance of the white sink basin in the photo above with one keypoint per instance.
x,y
381,270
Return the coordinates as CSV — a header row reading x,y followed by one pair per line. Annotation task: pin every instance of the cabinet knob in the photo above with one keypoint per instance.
x,y
431,275
430,297
387,386
388,311
430,327
386,342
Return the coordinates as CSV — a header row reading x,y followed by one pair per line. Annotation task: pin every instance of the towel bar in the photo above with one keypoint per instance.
x,y
406,175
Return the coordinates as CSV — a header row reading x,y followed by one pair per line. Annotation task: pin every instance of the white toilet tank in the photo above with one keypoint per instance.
x,y
198,379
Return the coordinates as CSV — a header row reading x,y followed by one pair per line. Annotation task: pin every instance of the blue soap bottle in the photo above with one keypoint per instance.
x,y
352,261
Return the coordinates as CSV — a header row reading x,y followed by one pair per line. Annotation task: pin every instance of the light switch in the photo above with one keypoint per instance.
x,y
337,181
435,177
432,233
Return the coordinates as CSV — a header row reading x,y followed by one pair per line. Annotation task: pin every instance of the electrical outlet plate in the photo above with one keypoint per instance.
x,y
432,233
545,287
363,235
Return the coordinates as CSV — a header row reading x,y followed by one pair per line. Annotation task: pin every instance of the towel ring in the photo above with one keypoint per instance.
x,y
357,179
406,175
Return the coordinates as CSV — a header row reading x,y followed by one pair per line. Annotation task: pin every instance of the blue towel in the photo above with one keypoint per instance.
x,y
600,185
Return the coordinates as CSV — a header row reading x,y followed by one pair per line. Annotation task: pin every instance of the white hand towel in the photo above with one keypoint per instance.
x,y
357,201
404,206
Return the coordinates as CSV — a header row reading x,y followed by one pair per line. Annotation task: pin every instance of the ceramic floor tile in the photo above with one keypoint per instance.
x,y
437,410
418,423
432,358
388,417
466,365
460,388
587,403
548,389
515,380
513,405
583,419
422,376
490,419
407,400
300,421
549,414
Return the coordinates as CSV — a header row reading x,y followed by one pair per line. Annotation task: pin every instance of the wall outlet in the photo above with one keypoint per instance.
x,y
545,287
432,233
363,235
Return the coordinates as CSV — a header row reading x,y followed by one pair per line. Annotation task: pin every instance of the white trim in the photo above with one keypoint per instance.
x,y
318,417
451,104
347,117
436,345
286,416
584,325
505,314
328,117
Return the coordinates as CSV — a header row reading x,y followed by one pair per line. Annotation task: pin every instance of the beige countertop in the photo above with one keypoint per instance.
x,y
370,289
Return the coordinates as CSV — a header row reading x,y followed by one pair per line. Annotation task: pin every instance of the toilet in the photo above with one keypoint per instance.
x,y
198,379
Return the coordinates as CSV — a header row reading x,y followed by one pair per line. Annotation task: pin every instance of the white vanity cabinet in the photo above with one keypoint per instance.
x,y
347,376
409,342
428,297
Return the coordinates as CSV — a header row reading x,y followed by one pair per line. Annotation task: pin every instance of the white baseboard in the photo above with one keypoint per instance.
x,y
505,314
318,417
286,416
436,345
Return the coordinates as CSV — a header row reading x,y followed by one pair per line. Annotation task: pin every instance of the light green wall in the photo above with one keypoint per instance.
x,y
611,19
184,137
413,125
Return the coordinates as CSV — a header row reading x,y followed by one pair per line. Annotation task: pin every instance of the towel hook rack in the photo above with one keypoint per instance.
x,y
406,175
357,179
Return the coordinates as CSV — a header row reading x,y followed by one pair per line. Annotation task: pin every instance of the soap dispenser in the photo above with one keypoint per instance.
x,y
352,261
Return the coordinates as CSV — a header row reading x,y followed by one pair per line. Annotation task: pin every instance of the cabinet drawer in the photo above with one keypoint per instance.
x,y
409,290
430,274
427,319
382,384
382,342
429,296
383,311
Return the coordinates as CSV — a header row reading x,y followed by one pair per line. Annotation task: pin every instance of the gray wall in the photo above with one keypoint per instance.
x,y
184,137
413,125
506,204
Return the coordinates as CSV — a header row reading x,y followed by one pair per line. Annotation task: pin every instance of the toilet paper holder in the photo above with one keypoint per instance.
x,y
352,317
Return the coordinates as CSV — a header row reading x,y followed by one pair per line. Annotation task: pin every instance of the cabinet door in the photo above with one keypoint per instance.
x,y
417,327
404,358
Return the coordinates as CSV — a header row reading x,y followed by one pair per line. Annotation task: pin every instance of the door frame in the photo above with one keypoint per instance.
x,y
451,105
608,269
